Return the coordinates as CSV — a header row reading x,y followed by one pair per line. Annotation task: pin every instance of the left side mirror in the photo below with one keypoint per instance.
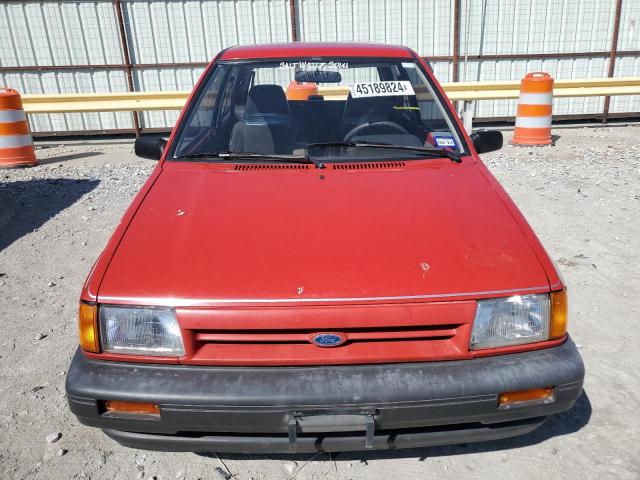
x,y
487,140
150,147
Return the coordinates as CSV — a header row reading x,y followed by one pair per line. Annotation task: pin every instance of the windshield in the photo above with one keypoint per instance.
x,y
318,108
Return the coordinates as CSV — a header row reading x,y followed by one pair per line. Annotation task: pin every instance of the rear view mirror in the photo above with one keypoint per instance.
x,y
487,140
150,147
318,76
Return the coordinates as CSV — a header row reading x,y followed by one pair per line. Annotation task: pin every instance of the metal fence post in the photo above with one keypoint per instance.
x,y
294,20
456,40
117,5
612,56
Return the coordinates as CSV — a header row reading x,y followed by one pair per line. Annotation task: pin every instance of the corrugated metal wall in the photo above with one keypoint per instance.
x,y
86,33
428,31
63,33
195,31
491,27
522,27
170,32
628,66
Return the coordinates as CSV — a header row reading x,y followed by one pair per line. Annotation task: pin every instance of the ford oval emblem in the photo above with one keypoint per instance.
x,y
328,339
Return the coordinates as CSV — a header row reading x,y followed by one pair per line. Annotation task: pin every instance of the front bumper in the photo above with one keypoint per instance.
x,y
330,408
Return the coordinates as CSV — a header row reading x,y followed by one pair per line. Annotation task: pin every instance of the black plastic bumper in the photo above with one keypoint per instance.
x,y
331,408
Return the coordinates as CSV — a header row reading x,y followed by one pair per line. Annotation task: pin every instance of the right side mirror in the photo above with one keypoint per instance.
x,y
150,147
487,140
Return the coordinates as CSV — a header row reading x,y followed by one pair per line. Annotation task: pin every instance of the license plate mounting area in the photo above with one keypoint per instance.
x,y
331,422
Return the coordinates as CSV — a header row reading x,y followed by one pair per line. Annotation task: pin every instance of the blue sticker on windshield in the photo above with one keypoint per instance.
x,y
444,141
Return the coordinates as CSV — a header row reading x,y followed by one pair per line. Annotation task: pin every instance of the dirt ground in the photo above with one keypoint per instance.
x,y
582,197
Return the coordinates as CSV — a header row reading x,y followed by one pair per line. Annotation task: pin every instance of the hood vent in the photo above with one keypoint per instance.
x,y
367,165
253,167
335,166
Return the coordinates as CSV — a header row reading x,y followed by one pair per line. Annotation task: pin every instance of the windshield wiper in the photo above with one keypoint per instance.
x,y
252,156
430,151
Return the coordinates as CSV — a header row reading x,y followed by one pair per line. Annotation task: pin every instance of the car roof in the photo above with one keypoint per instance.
x,y
325,49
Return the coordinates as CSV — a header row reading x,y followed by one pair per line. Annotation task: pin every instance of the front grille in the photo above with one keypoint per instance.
x,y
295,346
353,335
381,333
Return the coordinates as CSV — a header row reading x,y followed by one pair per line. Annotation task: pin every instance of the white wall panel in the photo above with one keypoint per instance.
x,y
517,69
164,79
58,33
85,32
72,81
195,31
442,70
629,39
531,27
63,33
425,27
540,26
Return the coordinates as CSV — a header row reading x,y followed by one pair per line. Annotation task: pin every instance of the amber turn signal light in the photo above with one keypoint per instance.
x,y
509,398
88,328
119,406
559,314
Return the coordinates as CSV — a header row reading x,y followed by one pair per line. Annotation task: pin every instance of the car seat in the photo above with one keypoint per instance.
x,y
267,126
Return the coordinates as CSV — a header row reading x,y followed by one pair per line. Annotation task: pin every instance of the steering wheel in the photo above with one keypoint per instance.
x,y
391,127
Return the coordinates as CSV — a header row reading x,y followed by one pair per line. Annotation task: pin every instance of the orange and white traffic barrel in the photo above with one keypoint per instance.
x,y
301,91
16,144
533,120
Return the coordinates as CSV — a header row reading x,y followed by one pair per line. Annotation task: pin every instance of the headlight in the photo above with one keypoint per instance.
x,y
501,322
140,331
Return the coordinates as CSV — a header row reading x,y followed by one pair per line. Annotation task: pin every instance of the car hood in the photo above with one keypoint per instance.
x,y
208,234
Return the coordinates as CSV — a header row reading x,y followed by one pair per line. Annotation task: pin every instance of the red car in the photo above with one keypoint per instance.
x,y
321,261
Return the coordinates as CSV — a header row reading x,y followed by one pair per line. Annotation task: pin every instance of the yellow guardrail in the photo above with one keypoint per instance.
x,y
104,102
147,101
584,87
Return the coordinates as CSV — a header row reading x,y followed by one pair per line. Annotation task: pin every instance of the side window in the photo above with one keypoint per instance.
x,y
244,81
202,120
205,110
226,102
430,113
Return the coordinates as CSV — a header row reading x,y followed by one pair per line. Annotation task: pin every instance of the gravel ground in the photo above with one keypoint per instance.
x,y
581,196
